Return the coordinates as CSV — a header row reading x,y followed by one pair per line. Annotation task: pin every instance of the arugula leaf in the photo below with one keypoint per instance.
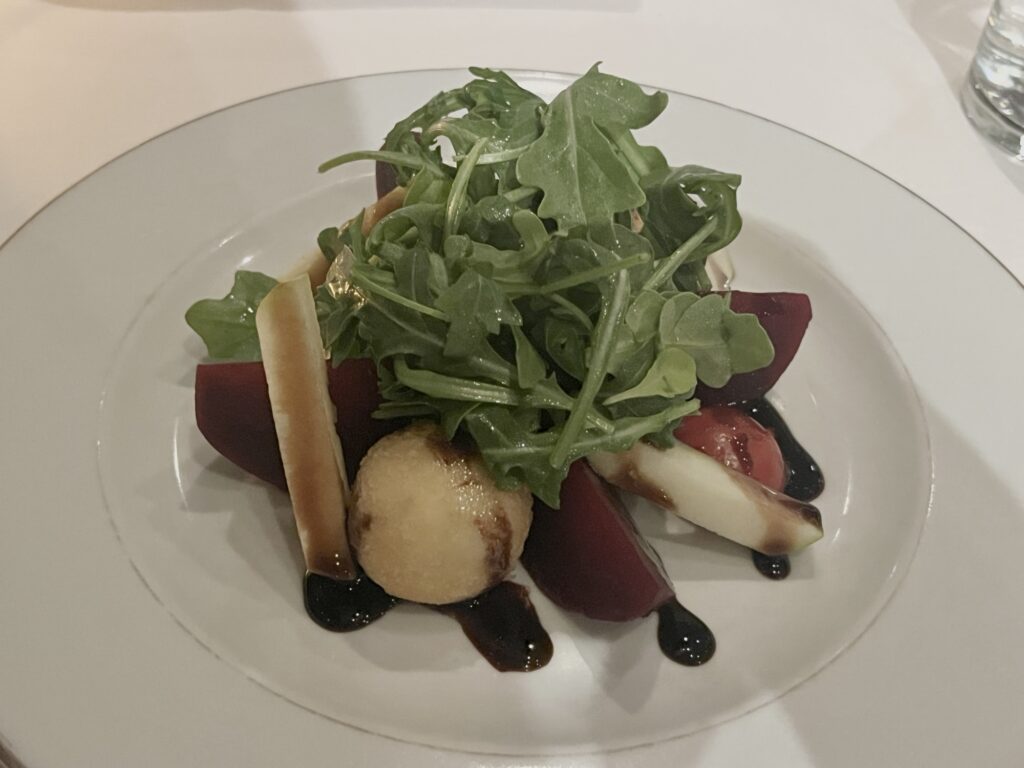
x,y
679,202
585,181
452,416
642,316
442,386
409,225
486,365
513,454
460,186
750,347
476,307
630,360
629,429
597,368
511,267
720,341
642,160
494,103
673,374
414,271
427,187
390,329
530,366
565,345
339,325
228,326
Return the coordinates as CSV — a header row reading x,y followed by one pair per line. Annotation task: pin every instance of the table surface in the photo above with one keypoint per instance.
x,y
82,81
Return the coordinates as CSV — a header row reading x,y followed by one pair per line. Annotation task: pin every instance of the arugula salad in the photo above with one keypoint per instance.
x,y
525,310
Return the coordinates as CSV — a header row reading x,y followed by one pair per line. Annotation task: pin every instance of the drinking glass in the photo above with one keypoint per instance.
x,y
993,94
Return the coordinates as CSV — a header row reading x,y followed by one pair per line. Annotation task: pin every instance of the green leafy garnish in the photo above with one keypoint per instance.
x,y
543,293
720,341
228,325
673,371
584,180
476,307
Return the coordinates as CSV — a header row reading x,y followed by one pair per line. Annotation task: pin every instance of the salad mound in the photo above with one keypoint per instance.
x,y
545,293
532,284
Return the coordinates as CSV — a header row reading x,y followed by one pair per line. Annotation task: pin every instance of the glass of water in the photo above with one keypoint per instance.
x,y
993,94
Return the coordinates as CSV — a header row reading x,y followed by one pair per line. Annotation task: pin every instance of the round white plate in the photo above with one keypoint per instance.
x,y
125,540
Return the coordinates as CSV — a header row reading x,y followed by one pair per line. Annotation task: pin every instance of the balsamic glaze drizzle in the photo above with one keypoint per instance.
x,y
804,482
683,637
345,606
774,567
504,627
501,623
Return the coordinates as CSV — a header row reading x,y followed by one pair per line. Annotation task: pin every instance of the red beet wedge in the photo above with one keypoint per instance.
x,y
353,389
233,413
588,556
785,317
385,177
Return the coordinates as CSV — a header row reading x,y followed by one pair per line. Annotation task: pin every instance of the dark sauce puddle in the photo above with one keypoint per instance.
x,y
504,627
805,481
775,567
345,606
683,637
501,623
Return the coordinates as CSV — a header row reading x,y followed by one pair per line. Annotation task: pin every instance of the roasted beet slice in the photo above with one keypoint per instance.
x,y
353,388
386,175
785,317
589,557
387,178
233,413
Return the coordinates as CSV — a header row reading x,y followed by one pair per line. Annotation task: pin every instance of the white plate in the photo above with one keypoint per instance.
x,y
111,576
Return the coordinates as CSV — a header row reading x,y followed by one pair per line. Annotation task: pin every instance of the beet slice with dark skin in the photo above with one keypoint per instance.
x,y
233,413
588,556
784,316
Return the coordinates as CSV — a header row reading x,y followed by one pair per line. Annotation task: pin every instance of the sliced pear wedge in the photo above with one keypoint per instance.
x,y
697,488
388,203
313,265
304,416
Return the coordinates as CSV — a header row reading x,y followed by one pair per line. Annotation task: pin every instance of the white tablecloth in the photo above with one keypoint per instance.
x,y
82,81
